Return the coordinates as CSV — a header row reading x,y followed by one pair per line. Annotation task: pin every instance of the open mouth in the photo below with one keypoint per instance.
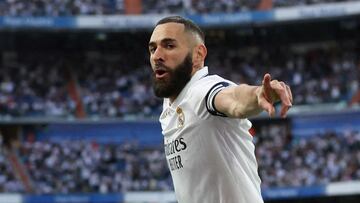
x,y
160,74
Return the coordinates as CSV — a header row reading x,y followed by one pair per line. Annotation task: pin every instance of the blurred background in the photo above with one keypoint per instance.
x,y
78,119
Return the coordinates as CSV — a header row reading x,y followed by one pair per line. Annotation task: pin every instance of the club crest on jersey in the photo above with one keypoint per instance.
x,y
181,117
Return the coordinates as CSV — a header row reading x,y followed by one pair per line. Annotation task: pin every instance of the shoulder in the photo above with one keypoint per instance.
x,y
208,82
208,85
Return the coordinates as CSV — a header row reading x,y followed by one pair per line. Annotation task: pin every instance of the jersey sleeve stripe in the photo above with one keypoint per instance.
x,y
210,98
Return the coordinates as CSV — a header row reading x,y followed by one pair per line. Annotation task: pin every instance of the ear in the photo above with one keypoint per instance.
x,y
199,55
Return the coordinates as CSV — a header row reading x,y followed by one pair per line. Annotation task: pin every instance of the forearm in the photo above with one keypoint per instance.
x,y
239,101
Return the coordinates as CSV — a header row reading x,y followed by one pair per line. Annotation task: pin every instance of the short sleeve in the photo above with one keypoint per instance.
x,y
203,93
210,98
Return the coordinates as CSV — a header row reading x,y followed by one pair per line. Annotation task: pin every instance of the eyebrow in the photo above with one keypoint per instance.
x,y
165,40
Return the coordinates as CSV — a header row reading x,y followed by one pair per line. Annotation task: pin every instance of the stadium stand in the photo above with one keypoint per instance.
x,y
86,166
8,180
118,85
70,72
319,160
113,7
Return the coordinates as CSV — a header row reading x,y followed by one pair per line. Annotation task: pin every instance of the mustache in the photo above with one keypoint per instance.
x,y
161,66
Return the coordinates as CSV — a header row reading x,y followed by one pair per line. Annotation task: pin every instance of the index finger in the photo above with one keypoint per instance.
x,y
267,86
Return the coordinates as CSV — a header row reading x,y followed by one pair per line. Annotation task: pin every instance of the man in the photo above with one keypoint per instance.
x,y
209,150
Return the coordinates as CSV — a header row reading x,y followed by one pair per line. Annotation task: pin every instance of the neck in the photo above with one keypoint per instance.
x,y
172,98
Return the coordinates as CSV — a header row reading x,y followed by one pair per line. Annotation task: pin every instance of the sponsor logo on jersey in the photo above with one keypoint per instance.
x,y
172,150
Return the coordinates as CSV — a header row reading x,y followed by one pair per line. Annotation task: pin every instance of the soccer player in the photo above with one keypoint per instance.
x,y
209,150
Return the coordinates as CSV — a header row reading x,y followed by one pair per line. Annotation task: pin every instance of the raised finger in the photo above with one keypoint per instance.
x,y
267,86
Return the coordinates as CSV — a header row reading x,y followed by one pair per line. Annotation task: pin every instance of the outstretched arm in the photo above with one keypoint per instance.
x,y
243,100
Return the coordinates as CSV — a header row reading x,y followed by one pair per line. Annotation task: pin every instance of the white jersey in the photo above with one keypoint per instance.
x,y
211,157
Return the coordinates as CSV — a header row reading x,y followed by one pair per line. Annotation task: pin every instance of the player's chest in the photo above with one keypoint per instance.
x,y
176,120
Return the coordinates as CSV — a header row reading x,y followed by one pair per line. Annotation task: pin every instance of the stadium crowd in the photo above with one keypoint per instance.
x,y
317,160
111,7
87,166
8,180
289,3
83,166
29,88
117,85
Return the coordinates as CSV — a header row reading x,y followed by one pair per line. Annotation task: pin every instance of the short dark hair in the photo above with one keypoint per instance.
x,y
190,26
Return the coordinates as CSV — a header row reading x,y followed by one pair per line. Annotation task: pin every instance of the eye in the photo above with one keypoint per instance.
x,y
169,46
152,49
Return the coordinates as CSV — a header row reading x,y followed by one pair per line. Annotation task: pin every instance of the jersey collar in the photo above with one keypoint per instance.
x,y
199,74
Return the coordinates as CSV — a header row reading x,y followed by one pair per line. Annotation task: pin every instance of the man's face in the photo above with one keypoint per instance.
x,y
170,58
175,80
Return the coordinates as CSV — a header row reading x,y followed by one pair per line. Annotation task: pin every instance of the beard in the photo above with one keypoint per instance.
x,y
176,80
